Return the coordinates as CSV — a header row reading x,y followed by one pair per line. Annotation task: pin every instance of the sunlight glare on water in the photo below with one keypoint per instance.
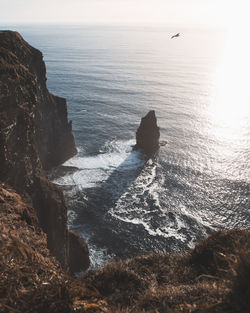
x,y
230,102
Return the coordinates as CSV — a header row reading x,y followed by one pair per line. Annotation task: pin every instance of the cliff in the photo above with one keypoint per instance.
x,y
31,280
34,135
23,80
211,278
26,265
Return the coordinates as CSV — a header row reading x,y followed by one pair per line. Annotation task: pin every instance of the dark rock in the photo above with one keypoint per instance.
x,y
53,131
148,134
34,135
78,253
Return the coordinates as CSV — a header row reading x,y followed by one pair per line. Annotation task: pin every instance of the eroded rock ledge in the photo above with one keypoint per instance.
x,y
35,135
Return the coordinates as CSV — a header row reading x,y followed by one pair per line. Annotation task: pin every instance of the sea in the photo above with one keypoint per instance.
x,y
198,84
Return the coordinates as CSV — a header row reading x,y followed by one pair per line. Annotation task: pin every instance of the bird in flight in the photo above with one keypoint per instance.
x,y
175,36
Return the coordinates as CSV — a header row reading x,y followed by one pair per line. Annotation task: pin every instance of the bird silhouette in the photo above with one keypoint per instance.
x,y
175,36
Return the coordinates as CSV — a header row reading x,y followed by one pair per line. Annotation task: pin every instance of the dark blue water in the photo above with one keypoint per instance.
x,y
200,181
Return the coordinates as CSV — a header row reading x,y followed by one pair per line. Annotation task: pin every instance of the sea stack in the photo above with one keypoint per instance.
x,y
148,134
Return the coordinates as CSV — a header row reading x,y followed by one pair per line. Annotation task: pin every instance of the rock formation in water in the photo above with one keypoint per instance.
x,y
35,135
148,134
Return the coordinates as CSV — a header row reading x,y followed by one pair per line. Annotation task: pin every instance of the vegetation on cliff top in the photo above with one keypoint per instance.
x,y
213,277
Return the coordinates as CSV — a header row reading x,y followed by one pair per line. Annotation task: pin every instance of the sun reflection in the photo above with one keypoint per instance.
x,y
230,103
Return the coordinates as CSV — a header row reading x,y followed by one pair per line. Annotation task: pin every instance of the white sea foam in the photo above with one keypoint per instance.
x,y
71,214
66,180
132,207
165,232
98,256
198,217
89,178
92,170
103,161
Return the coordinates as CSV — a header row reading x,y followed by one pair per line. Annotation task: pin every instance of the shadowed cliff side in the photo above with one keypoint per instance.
x,y
34,135
31,280
53,132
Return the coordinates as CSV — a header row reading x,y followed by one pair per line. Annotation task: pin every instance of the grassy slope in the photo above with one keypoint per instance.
x,y
31,280
214,277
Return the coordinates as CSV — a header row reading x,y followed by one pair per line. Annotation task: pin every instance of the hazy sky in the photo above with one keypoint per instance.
x,y
176,12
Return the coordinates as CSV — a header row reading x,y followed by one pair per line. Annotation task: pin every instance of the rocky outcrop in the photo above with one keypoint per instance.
x,y
78,253
53,133
148,134
34,135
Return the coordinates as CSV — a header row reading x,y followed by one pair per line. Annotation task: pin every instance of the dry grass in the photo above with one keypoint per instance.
x,y
241,281
213,255
29,275
31,280
213,278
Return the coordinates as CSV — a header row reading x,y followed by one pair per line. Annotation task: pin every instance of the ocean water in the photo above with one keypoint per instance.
x,y
197,85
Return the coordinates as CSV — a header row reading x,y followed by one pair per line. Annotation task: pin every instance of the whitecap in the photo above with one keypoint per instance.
x,y
93,170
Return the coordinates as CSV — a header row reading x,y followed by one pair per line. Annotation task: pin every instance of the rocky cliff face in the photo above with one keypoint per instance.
x,y
53,133
148,134
34,135
78,253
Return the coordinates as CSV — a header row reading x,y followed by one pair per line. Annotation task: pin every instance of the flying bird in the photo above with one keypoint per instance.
x,y
175,36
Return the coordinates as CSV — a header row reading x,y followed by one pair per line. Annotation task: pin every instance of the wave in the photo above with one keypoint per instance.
x,y
93,170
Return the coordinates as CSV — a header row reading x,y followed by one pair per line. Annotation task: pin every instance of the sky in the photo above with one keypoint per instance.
x,y
169,12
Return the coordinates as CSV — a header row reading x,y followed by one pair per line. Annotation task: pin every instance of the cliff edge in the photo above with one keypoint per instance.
x,y
35,135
